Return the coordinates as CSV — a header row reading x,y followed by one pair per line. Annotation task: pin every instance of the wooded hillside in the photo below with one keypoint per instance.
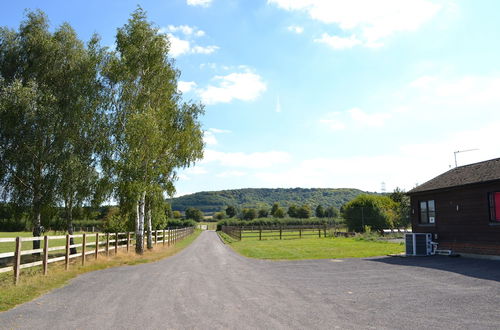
x,y
214,201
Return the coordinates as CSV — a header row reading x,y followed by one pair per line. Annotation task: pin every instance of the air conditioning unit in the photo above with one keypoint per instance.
x,y
419,244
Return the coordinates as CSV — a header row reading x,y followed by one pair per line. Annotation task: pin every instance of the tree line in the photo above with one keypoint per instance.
x,y
365,212
81,123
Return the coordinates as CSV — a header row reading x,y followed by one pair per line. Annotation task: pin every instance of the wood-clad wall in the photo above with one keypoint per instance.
x,y
467,229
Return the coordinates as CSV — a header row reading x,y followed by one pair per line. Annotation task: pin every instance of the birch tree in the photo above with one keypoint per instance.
x,y
153,130
50,115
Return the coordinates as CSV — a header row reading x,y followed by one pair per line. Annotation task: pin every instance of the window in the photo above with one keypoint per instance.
x,y
494,199
428,212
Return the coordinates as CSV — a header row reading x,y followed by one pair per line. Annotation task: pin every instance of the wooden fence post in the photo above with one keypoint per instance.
x,y
128,241
17,260
163,240
96,245
107,244
66,257
280,231
319,232
260,233
156,237
300,232
324,230
45,254
116,244
84,243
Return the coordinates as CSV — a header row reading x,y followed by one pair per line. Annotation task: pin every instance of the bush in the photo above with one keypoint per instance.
x,y
274,222
378,212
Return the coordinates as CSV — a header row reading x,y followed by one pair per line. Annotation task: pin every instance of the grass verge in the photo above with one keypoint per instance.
x,y
312,248
33,283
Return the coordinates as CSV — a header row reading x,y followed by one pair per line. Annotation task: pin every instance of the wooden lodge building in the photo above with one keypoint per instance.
x,y
461,208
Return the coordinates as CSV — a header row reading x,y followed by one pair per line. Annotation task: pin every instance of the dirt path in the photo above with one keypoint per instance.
x,y
208,286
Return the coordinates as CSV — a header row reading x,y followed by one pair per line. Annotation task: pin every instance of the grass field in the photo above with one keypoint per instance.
x,y
312,248
33,284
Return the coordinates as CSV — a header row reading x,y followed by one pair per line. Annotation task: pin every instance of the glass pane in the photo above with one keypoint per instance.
x,y
423,217
431,206
423,206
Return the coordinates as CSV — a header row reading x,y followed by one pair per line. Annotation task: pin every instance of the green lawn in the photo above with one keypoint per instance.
x,y
313,248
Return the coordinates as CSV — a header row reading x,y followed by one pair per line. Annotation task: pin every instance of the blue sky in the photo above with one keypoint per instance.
x,y
322,93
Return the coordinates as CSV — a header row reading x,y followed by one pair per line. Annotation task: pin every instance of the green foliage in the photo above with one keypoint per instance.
x,y
274,222
331,212
304,212
231,211
320,211
179,223
248,214
214,201
219,216
263,213
378,212
402,200
194,214
292,211
176,214
279,213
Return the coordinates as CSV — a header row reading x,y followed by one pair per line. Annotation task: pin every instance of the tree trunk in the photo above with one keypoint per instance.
x,y
69,223
139,224
149,225
37,221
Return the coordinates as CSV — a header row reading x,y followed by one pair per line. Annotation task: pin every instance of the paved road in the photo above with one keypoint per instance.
x,y
208,286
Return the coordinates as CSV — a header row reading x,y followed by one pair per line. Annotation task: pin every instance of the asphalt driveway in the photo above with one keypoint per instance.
x,y
208,286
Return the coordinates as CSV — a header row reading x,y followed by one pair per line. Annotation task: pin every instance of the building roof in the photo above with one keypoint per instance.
x,y
488,170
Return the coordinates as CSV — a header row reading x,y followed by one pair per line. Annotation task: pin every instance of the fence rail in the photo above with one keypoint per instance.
x,y
276,232
89,244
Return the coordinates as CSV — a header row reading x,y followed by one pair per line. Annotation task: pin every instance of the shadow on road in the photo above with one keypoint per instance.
x,y
478,268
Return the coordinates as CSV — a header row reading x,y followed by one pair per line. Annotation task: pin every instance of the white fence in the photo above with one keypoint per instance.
x,y
89,244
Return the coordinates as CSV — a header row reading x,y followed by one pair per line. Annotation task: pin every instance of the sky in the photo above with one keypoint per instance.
x,y
360,94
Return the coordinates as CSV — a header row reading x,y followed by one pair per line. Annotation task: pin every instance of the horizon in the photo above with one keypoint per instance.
x,y
316,94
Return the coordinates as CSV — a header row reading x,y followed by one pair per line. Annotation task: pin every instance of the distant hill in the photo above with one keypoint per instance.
x,y
214,201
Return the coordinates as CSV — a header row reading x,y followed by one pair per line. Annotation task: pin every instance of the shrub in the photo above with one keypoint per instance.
x,y
378,212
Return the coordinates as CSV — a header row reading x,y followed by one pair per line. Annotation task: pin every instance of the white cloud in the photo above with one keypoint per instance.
x,y
201,3
368,120
373,20
354,118
296,29
209,135
186,86
468,90
219,131
333,124
185,29
404,167
246,160
209,138
183,177
337,42
243,86
197,170
178,46
204,50
231,174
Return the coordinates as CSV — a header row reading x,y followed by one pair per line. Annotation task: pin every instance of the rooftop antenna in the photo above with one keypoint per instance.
x,y
459,151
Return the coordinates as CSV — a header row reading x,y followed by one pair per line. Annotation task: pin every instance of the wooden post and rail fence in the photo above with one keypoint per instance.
x,y
91,245
282,231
